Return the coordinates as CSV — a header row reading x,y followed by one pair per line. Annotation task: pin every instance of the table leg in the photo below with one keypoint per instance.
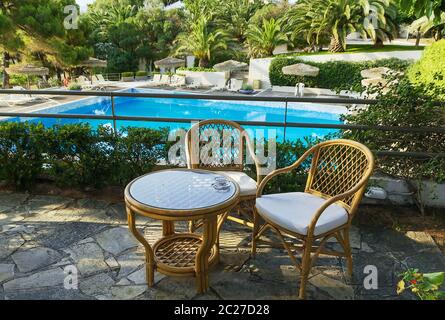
x,y
202,257
168,228
221,219
149,255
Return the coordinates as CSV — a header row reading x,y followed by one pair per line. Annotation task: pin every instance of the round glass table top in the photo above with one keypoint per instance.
x,y
182,189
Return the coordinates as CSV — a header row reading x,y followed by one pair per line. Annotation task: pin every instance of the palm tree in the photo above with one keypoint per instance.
x,y
426,24
338,18
202,41
263,40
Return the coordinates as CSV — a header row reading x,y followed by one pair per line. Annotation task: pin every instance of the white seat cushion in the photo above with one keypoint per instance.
x,y
246,184
294,211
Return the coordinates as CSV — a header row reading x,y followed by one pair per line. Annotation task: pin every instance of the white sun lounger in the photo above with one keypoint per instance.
x,y
234,85
177,81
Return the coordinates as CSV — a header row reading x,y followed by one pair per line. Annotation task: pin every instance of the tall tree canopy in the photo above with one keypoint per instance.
x,y
34,29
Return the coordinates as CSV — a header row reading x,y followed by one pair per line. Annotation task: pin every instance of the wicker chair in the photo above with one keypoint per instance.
x,y
336,182
232,153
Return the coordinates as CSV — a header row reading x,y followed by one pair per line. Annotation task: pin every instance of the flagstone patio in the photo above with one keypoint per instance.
x,y
42,236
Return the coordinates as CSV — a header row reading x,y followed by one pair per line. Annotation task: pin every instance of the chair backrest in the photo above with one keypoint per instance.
x,y
229,146
338,166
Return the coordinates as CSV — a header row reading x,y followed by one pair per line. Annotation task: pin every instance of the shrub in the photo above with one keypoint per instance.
x,y
79,156
128,74
75,86
21,80
429,71
22,148
75,155
246,87
141,74
409,106
334,75
197,69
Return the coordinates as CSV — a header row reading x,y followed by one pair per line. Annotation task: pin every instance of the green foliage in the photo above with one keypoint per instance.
x,y
75,155
263,40
128,74
429,71
426,286
421,8
141,73
314,19
202,40
196,69
403,105
22,147
75,87
246,86
334,75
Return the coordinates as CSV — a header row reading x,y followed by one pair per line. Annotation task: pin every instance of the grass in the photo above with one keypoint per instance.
x,y
357,48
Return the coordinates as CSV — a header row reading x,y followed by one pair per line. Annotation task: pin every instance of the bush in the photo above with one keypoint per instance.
x,y
246,87
75,86
75,155
334,75
429,71
22,148
21,80
141,74
409,106
196,69
128,74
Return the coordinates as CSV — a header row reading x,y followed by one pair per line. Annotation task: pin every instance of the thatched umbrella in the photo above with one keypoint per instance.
x,y
301,69
230,65
169,63
29,70
94,63
91,63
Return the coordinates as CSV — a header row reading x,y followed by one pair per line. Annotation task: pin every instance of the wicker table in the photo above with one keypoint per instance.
x,y
175,195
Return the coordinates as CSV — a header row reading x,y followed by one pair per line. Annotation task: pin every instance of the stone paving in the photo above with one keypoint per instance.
x,y
43,237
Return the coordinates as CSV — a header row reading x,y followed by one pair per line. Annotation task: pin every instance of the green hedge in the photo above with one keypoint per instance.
x,y
127,74
429,71
76,155
141,73
334,75
197,69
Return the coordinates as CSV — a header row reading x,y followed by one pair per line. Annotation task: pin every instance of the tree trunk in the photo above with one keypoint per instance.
x,y
203,63
6,60
438,33
336,46
378,43
418,37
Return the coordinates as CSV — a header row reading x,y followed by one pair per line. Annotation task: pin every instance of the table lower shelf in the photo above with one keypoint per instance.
x,y
176,254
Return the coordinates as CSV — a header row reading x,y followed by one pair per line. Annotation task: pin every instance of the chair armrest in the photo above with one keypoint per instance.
x,y
331,201
281,171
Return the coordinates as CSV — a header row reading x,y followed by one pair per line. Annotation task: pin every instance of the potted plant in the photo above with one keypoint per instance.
x,y
141,75
246,89
127,76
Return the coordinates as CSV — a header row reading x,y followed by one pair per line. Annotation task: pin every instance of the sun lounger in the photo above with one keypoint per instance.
x,y
234,85
156,81
177,81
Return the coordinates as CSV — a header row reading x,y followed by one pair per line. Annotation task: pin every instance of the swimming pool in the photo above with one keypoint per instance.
x,y
197,109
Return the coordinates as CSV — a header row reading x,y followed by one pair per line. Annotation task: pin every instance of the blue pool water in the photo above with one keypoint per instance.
x,y
198,109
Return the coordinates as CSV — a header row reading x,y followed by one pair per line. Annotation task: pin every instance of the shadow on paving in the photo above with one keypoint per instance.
x,y
43,237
